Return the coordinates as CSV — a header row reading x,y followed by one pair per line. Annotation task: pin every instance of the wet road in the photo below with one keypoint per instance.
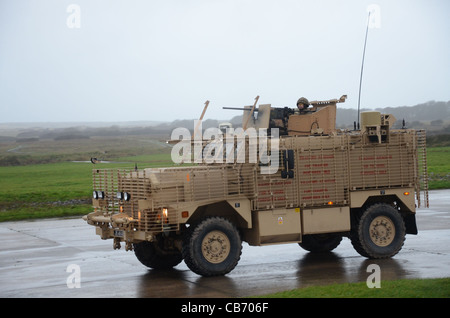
x,y
39,258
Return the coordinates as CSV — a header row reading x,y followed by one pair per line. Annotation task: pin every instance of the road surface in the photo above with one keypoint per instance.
x,y
45,258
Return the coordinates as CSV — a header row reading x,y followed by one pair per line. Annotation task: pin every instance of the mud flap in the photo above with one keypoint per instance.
x,y
410,223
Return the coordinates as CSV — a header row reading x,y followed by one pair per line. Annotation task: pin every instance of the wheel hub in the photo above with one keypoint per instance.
x,y
382,231
215,247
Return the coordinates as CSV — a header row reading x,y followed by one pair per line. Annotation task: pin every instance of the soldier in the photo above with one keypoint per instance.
x,y
302,104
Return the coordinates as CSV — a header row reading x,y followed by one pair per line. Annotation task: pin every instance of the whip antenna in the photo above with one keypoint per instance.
x,y
362,66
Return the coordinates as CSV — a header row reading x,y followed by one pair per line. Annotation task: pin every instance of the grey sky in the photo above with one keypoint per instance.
x,y
161,60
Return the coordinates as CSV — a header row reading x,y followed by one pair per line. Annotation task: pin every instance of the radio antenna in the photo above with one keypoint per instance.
x,y
362,66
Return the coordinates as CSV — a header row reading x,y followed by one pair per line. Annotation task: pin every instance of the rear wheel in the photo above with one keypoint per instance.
x,y
212,247
380,232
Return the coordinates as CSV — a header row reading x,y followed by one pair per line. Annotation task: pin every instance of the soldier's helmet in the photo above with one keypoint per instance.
x,y
304,101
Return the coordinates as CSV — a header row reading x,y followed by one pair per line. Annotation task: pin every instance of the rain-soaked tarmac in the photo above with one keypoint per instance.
x,y
42,258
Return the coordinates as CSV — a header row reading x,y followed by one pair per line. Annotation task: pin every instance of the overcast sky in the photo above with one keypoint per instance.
x,y
161,60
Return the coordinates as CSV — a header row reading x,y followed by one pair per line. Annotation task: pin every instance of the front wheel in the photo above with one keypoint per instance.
x,y
380,232
212,247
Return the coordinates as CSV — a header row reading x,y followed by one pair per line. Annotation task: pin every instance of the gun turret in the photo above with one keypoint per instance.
x,y
318,119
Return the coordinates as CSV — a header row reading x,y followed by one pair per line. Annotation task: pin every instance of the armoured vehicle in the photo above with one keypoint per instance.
x,y
364,184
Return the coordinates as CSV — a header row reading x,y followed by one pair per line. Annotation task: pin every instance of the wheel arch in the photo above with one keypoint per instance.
x,y
236,211
404,204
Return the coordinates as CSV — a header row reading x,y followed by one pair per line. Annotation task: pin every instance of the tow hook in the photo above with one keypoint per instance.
x,y
116,244
128,246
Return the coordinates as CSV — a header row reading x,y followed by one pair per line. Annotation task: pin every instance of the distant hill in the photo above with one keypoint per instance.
x,y
437,113
434,116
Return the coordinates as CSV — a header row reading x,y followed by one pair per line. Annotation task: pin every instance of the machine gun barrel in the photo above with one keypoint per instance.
x,y
240,108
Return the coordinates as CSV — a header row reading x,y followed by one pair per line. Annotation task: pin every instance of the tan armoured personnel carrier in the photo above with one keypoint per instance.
x,y
328,184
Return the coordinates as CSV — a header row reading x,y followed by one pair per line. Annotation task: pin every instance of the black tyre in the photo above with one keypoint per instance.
x,y
152,255
380,232
212,247
320,243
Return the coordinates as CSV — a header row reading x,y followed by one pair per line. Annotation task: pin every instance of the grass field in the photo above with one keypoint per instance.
x,y
57,189
405,288
439,167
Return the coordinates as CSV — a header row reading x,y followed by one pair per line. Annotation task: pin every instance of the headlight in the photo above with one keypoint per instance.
x,y
98,195
123,196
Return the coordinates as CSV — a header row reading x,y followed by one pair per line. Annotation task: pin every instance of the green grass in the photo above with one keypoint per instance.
x,y
46,182
405,288
152,160
438,159
55,190
39,211
53,151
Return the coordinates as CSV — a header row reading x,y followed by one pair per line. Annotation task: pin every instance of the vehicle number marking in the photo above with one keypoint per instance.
x,y
118,233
